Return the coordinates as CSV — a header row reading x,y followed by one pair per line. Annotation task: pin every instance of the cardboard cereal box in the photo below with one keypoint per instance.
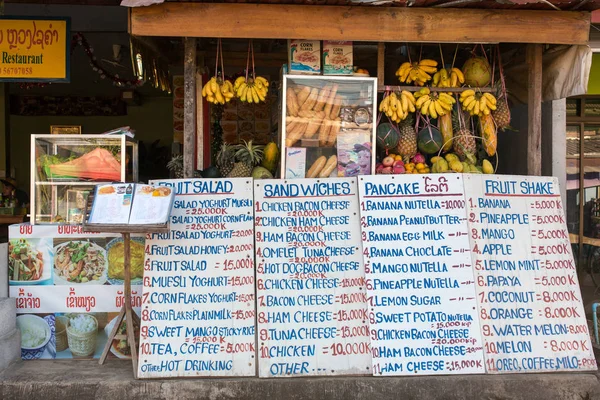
x,y
337,57
304,57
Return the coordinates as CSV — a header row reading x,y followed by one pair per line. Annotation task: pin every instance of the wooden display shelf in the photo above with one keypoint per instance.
x,y
131,318
384,88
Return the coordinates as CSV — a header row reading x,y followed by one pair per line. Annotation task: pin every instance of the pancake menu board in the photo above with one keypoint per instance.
x,y
198,296
311,296
421,293
530,308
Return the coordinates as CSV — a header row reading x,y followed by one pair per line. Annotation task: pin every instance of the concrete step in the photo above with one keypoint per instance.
x,y
8,316
10,348
75,380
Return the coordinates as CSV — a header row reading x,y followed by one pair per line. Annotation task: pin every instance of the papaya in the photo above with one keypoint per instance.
x,y
429,140
270,157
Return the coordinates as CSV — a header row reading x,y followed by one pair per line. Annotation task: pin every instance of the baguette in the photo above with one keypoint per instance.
x,y
311,100
332,94
291,103
322,98
307,114
302,95
329,167
335,110
316,167
313,126
324,132
333,132
294,135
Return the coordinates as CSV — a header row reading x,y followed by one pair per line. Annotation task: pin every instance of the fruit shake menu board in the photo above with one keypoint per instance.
x,y
419,277
198,290
532,317
311,296
112,204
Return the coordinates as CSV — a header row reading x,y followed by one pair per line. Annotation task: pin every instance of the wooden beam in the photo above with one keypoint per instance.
x,y
381,63
534,109
189,107
379,24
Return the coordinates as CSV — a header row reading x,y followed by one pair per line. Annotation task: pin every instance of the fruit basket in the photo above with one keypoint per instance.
x,y
328,126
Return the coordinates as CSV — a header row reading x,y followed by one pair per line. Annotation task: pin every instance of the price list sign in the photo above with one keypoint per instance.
x,y
421,294
311,296
198,296
532,317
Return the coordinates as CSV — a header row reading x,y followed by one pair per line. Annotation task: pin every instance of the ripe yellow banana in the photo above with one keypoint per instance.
x,y
422,100
490,97
432,111
439,109
425,107
459,74
428,63
409,95
467,93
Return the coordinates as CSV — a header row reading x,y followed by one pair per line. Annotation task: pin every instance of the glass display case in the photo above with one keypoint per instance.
x,y
65,169
328,126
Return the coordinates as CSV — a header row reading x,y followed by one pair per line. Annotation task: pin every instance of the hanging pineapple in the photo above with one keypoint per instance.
x,y
247,156
407,143
463,142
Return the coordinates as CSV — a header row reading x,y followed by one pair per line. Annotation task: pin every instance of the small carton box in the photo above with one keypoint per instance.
x,y
295,164
337,57
304,57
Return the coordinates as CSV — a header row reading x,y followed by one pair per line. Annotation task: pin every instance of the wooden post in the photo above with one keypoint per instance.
x,y
534,109
381,63
199,121
189,107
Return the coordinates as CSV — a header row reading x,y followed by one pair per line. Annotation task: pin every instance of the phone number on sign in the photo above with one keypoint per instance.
x,y
13,71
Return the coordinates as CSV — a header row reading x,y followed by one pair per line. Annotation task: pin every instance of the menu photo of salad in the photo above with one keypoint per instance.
x,y
30,261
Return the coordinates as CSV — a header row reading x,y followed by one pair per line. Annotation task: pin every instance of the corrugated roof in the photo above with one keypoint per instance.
x,y
563,5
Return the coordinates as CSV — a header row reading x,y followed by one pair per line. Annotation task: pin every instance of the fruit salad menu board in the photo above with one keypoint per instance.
x,y
532,317
419,277
198,289
311,296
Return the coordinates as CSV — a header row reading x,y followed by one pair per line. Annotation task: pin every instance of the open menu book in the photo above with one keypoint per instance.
x,y
130,203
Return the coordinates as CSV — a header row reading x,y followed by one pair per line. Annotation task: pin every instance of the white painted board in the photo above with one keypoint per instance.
x,y
311,298
198,294
532,316
421,293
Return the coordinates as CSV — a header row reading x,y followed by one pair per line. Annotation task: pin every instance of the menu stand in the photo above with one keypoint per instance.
x,y
131,318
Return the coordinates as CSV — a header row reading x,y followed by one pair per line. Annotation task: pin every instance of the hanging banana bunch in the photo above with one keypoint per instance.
x,y
433,104
218,90
417,72
397,106
477,104
254,89
448,78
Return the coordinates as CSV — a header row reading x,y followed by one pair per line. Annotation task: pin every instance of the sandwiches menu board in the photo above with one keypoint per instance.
x,y
129,203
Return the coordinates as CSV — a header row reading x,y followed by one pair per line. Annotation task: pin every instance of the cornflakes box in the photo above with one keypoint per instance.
x,y
337,57
304,57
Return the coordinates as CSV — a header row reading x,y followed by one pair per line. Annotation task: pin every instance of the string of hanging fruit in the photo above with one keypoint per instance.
x,y
431,122
219,90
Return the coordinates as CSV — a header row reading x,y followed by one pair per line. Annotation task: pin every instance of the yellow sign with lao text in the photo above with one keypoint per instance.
x,y
34,49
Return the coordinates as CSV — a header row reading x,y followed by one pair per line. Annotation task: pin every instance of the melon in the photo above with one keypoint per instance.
x,y
261,173
477,72
387,136
430,140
